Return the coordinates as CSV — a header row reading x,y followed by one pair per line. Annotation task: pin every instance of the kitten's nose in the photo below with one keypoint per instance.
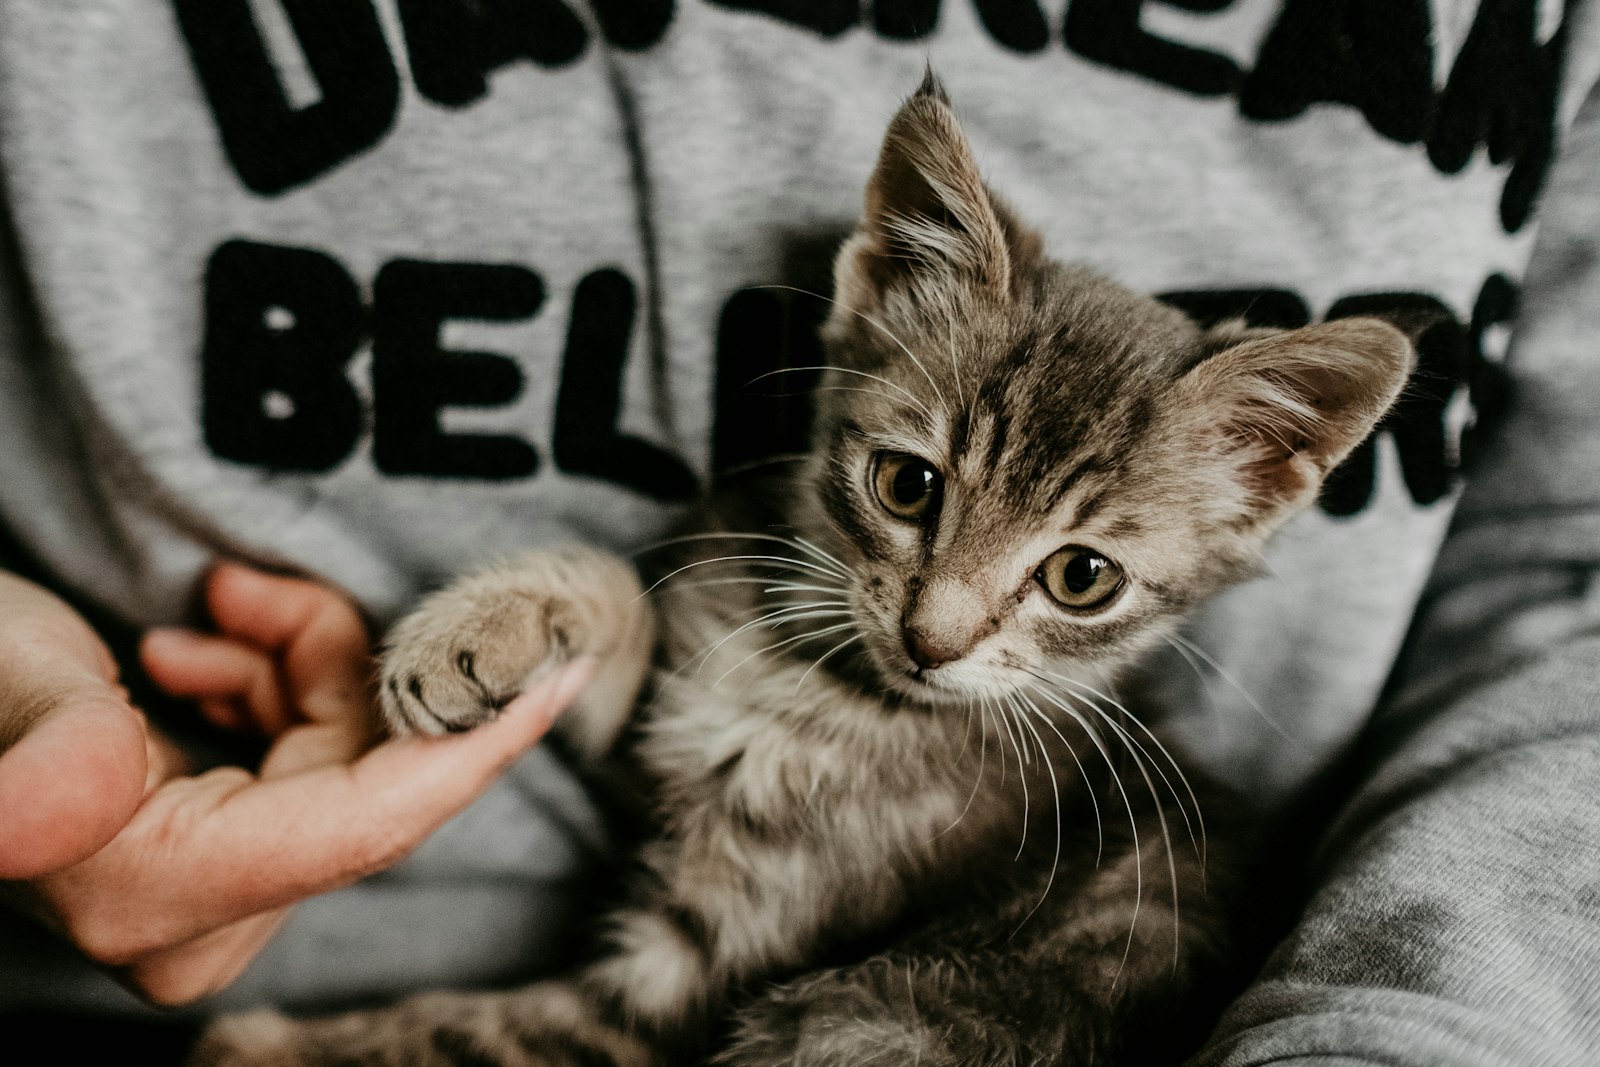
x,y
926,653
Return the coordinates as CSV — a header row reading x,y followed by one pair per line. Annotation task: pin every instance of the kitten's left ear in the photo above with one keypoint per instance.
x,y
1283,410
928,213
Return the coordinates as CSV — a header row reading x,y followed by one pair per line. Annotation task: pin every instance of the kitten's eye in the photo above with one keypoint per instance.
x,y
1079,577
906,485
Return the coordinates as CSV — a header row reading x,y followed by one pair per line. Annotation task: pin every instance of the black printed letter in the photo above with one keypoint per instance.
x,y
827,17
590,397
1376,55
454,44
633,24
1502,93
281,323
905,20
767,349
1276,308
1015,24
1108,31
413,378
1488,381
272,145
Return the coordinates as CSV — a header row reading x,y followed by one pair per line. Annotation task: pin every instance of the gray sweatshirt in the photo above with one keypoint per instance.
x,y
377,289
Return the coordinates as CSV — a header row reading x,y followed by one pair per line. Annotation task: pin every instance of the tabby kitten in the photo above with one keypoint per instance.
x,y
897,818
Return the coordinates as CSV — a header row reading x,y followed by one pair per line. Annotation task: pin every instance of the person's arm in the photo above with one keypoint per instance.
x,y
1457,915
174,881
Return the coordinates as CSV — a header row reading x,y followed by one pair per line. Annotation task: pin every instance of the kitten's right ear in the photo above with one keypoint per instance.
x,y
928,216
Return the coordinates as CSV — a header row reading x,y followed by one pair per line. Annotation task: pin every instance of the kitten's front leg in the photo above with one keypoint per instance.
x,y
643,1004
545,1025
467,650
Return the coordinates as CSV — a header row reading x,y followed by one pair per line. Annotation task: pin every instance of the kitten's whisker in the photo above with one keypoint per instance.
x,y
955,370
875,324
1022,775
983,744
795,587
824,658
838,568
1183,643
835,607
1004,720
1088,787
1027,746
832,389
1135,749
915,400
966,736
792,613
983,750
839,565
1173,763
754,558
997,741
1194,665
756,464
1127,804
751,579
1132,743
1055,789
809,636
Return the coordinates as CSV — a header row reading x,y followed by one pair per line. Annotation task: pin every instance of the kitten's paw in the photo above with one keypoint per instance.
x,y
546,1025
867,1014
254,1039
467,651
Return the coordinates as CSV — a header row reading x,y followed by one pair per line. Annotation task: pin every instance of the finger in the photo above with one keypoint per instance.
x,y
415,786
72,750
71,783
185,973
226,714
318,744
224,676
322,642
208,851
45,649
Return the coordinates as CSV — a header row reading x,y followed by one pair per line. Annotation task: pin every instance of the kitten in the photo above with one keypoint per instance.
x,y
897,818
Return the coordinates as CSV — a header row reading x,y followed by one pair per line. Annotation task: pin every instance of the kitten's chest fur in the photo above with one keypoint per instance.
x,y
798,797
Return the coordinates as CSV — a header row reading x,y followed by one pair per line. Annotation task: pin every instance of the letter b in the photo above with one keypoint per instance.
x,y
281,324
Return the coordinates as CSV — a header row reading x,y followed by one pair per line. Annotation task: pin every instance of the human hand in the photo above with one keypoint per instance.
x,y
174,881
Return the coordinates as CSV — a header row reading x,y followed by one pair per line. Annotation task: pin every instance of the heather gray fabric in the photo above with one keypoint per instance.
x,y
1457,918
601,211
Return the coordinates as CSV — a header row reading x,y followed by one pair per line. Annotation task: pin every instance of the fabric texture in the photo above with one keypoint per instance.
x,y
373,290
1457,918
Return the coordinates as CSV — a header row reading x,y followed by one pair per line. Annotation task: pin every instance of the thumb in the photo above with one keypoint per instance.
x,y
75,766
70,784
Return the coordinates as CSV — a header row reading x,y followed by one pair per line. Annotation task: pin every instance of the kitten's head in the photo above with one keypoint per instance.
x,y
1028,468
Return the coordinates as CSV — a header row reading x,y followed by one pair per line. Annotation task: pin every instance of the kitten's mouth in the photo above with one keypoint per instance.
x,y
923,686
930,687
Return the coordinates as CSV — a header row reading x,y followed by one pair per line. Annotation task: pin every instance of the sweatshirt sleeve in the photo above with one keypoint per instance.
x,y
1456,914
